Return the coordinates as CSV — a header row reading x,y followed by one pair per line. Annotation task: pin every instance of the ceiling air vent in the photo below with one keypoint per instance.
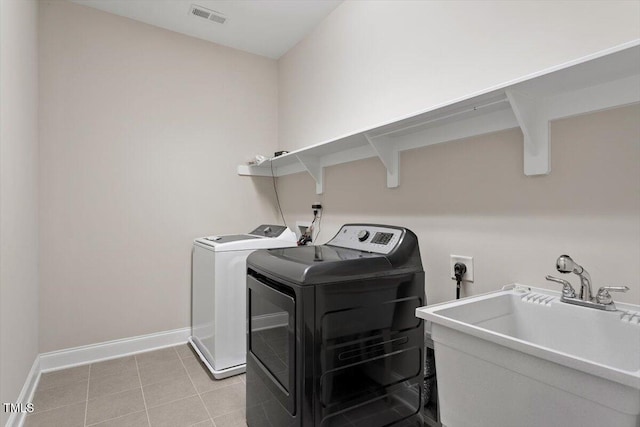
x,y
204,13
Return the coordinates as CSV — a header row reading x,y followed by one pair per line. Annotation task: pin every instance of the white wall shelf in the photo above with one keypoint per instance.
x,y
605,80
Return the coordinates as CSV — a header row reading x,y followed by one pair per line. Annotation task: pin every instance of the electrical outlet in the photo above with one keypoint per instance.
x,y
466,260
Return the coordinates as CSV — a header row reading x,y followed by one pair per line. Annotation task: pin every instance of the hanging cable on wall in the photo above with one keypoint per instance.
x,y
319,208
275,189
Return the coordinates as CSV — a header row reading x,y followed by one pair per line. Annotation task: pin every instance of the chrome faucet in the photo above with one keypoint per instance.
x,y
565,264
601,301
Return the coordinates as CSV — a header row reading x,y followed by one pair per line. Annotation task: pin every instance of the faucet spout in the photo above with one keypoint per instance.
x,y
586,293
565,264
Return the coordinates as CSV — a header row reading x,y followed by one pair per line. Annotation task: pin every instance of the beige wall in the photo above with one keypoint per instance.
x,y
18,195
470,197
141,132
372,62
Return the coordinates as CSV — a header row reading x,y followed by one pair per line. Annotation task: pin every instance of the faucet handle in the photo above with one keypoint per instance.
x,y
604,297
567,289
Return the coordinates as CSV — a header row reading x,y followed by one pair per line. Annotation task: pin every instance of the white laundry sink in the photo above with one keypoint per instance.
x,y
520,357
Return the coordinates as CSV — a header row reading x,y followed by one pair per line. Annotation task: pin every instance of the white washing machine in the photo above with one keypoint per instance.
x,y
219,295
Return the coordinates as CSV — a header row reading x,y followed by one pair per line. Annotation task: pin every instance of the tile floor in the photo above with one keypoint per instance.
x,y
167,387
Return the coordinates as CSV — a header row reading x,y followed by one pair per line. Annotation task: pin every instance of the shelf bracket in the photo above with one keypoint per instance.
x,y
534,123
315,169
387,151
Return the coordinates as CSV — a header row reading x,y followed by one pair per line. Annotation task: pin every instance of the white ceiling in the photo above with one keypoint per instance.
x,y
264,27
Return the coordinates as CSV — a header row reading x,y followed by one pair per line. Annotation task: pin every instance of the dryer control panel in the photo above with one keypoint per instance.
x,y
367,238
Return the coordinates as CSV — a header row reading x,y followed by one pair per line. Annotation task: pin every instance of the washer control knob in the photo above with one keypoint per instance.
x,y
363,235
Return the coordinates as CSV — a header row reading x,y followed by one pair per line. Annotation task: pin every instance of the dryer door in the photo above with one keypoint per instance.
x,y
272,332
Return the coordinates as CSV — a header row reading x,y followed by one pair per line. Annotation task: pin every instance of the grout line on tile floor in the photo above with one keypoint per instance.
x,y
144,401
86,403
217,389
113,419
116,417
173,400
194,386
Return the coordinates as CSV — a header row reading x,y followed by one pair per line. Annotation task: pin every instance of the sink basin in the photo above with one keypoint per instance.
x,y
520,357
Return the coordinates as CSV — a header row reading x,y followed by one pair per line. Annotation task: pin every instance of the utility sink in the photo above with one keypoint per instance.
x,y
521,357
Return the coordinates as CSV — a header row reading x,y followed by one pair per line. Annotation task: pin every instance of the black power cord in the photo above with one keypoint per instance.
x,y
459,269
307,236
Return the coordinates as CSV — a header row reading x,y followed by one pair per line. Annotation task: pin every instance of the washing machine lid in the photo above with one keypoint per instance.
x,y
263,237
226,238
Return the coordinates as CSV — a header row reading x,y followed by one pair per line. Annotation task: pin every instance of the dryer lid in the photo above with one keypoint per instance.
x,y
350,255
318,264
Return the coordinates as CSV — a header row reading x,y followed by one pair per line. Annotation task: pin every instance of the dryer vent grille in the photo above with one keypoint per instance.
x,y
204,13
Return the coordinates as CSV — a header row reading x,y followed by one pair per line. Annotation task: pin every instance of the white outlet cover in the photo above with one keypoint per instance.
x,y
466,260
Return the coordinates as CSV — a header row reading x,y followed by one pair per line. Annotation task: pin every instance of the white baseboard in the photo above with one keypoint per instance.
x,y
16,419
77,356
